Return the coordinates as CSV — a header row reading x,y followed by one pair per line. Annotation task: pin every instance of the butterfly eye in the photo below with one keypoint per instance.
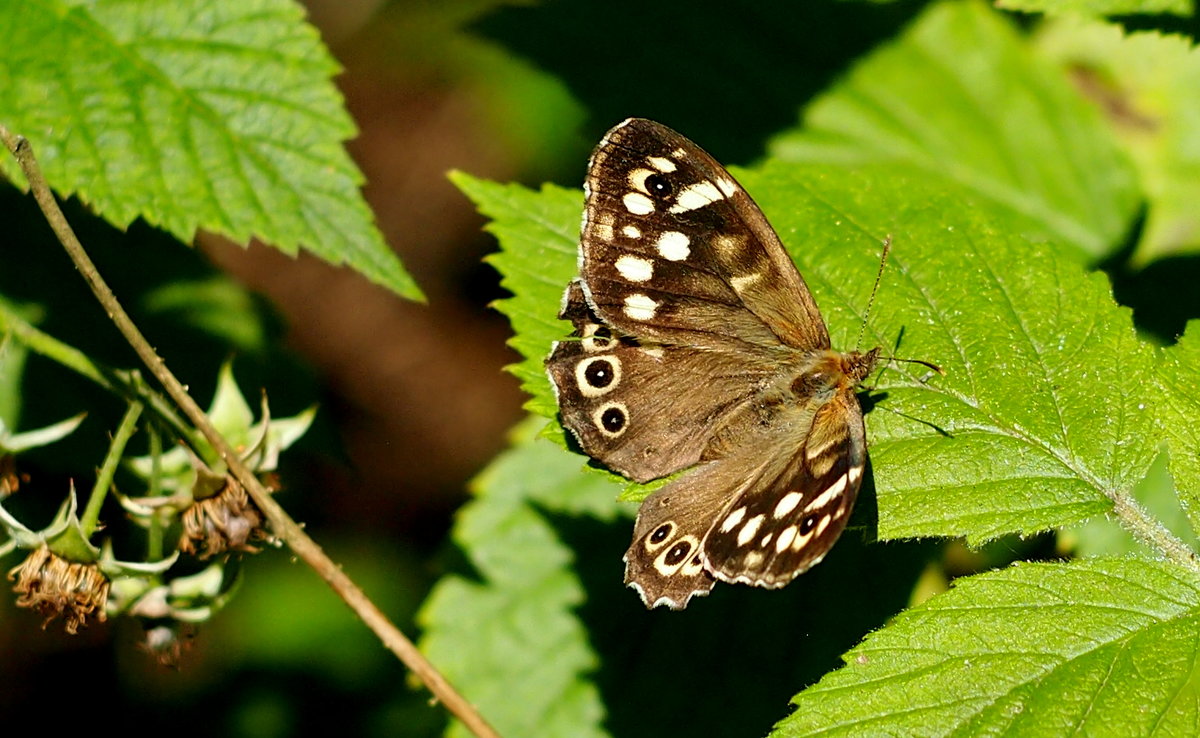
x,y
658,186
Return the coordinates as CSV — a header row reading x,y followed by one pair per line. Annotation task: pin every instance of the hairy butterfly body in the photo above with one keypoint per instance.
x,y
698,346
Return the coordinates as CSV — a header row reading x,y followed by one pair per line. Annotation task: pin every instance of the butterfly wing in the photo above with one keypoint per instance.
x,y
675,251
626,402
761,516
784,521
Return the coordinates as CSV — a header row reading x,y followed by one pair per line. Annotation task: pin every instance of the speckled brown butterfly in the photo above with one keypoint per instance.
x,y
697,345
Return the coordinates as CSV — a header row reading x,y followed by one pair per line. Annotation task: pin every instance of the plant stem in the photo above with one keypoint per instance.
x,y
91,515
281,524
1152,532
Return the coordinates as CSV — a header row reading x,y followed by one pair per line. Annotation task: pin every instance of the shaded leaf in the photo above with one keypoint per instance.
x,y
960,94
1148,85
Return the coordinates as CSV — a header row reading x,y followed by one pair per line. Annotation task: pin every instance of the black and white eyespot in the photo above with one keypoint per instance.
x,y
680,552
596,337
659,186
659,536
611,419
598,375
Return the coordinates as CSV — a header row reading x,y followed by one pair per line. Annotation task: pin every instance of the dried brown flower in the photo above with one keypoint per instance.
x,y
56,587
227,521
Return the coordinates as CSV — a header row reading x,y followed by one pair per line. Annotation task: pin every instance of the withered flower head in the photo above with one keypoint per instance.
x,y
227,521
56,587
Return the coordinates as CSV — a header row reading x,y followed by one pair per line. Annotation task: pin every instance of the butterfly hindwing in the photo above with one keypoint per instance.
x,y
785,523
640,438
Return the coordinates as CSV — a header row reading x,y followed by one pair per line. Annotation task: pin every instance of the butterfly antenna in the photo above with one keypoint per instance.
x,y
887,247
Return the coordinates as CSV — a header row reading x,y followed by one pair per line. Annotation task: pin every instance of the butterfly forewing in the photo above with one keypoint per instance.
x,y
697,344
674,250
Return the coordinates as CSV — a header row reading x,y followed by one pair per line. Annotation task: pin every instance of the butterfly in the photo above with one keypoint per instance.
x,y
697,346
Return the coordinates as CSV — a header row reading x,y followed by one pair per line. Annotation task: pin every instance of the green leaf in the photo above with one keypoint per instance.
x,y
538,234
1148,84
518,620
960,94
1032,427
195,114
1180,413
1090,647
1098,7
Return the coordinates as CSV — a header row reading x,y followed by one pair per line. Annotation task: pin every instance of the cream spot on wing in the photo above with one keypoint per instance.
x,y
786,504
741,283
674,246
726,186
637,203
753,559
749,530
678,153
819,466
693,567
832,491
661,164
654,352
822,524
635,268
786,537
815,450
602,231
632,231
766,540
696,196
640,307
734,519
637,178
855,474
801,539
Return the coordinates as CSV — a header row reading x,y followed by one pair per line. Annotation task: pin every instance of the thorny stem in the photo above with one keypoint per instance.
x,y
1151,531
91,514
281,524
